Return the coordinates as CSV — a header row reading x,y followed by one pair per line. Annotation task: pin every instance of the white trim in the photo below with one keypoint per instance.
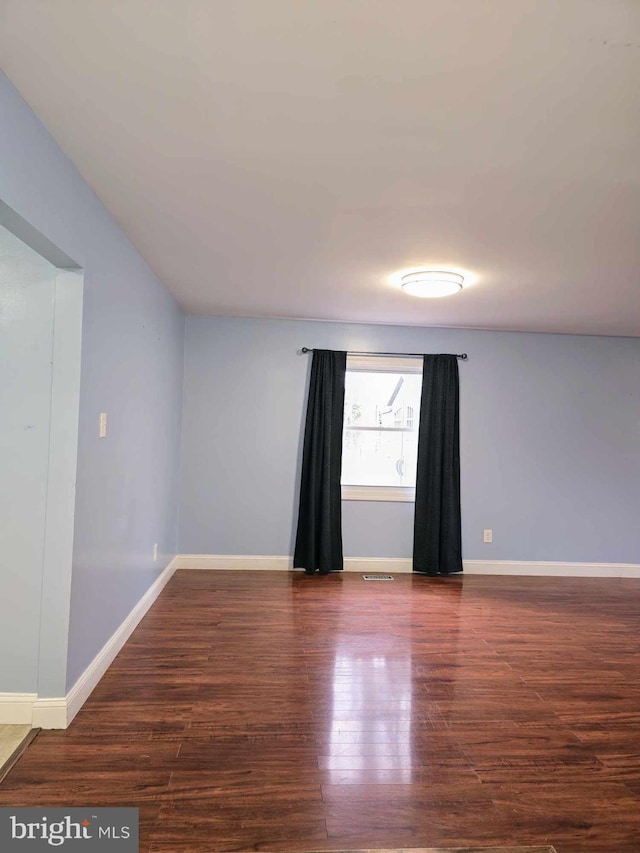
x,y
50,714
233,561
403,565
16,708
550,569
385,363
379,493
378,565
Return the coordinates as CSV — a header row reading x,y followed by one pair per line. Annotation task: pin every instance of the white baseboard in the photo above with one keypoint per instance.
x,y
547,569
233,561
402,565
50,714
57,712
283,564
16,709
382,565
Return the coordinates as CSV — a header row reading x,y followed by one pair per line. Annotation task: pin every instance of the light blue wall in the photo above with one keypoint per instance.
x,y
132,353
550,441
27,288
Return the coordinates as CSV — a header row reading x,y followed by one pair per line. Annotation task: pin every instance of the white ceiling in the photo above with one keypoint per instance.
x,y
284,158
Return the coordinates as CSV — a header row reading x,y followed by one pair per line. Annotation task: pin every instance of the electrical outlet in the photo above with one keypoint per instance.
x,y
155,552
487,536
102,431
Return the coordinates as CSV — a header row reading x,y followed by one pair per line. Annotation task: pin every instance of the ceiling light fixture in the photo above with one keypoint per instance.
x,y
431,283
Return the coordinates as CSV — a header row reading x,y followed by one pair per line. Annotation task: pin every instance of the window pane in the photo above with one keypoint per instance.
x,y
371,398
375,403
378,458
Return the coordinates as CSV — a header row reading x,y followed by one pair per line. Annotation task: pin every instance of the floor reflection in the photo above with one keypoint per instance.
x,y
371,716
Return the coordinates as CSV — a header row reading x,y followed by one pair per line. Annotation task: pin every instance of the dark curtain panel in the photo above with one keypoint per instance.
x,y
437,537
319,537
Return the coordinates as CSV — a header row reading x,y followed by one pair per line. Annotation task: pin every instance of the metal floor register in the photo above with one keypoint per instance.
x,y
377,577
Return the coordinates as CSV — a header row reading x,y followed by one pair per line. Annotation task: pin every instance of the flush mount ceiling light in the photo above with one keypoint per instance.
x,y
431,283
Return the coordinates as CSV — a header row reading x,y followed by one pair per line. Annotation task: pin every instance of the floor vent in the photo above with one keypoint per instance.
x,y
377,577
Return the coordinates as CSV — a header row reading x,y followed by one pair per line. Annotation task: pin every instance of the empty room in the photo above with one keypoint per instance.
x,y
320,426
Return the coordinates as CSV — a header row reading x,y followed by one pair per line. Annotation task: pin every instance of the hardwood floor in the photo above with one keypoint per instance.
x,y
279,712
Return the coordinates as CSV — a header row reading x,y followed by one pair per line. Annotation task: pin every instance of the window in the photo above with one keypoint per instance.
x,y
380,435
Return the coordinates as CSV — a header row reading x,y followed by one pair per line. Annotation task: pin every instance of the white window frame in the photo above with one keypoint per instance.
x,y
382,364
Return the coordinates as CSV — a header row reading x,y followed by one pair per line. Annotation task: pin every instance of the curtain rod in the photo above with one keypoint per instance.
x,y
461,355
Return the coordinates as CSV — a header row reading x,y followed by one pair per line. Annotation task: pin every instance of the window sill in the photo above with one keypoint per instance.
x,y
405,494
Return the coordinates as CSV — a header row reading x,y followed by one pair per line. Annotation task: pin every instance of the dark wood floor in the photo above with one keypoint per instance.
x,y
275,711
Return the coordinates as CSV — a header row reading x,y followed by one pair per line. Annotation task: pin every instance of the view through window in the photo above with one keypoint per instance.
x,y
380,436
